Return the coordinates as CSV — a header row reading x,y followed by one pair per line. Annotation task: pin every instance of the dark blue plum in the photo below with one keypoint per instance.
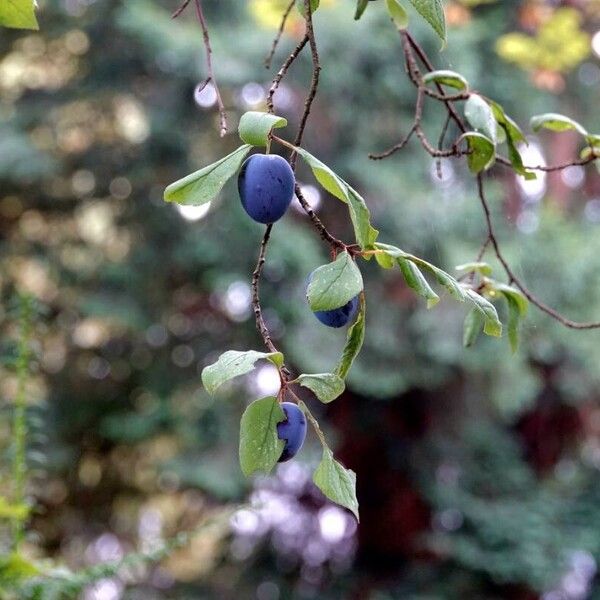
x,y
292,430
266,186
338,317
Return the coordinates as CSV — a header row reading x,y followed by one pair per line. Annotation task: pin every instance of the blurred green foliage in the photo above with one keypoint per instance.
x,y
479,467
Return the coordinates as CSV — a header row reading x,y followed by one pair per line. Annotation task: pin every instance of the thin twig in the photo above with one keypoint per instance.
x,y
282,72
260,321
275,43
325,235
580,162
513,277
209,67
314,83
395,147
425,60
438,162
183,6
414,74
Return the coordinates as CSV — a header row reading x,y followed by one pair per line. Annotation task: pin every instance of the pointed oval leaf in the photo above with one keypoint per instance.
x,y
472,327
433,12
513,131
475,267
482,151
354,341
479,114
365,233
360,216
260,448
416,281
336,482
517,295
556,122
397,13
334,284
331,182
18,14
255,127
234,363
361,6
445,77
326,386
204,185
385,261
514,320
516,160
492,325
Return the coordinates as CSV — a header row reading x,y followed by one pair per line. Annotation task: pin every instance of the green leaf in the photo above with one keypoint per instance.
x,y
385,261
513,135
234,363
203,185
415,280
433,12
334,284
365,233
354,341
475,267
513,131
492,325
301,6
518,297
449,78
514,317
361,6
460,292
336,482
360,216
472,327
518,306
260,448
516,160
482,151
326,386
329,180
18,14
481,117
398,13
556,122
255,127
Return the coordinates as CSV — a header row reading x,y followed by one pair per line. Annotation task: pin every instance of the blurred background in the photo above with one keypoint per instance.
x,y
478,470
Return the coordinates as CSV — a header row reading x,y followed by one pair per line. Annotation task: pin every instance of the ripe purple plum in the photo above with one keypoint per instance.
x,y
292,430
266,187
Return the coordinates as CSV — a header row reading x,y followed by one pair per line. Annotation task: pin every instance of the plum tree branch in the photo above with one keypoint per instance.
x,y
282,72
258,315
314,84
209,65
513,277
410,46
308,38
277,38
